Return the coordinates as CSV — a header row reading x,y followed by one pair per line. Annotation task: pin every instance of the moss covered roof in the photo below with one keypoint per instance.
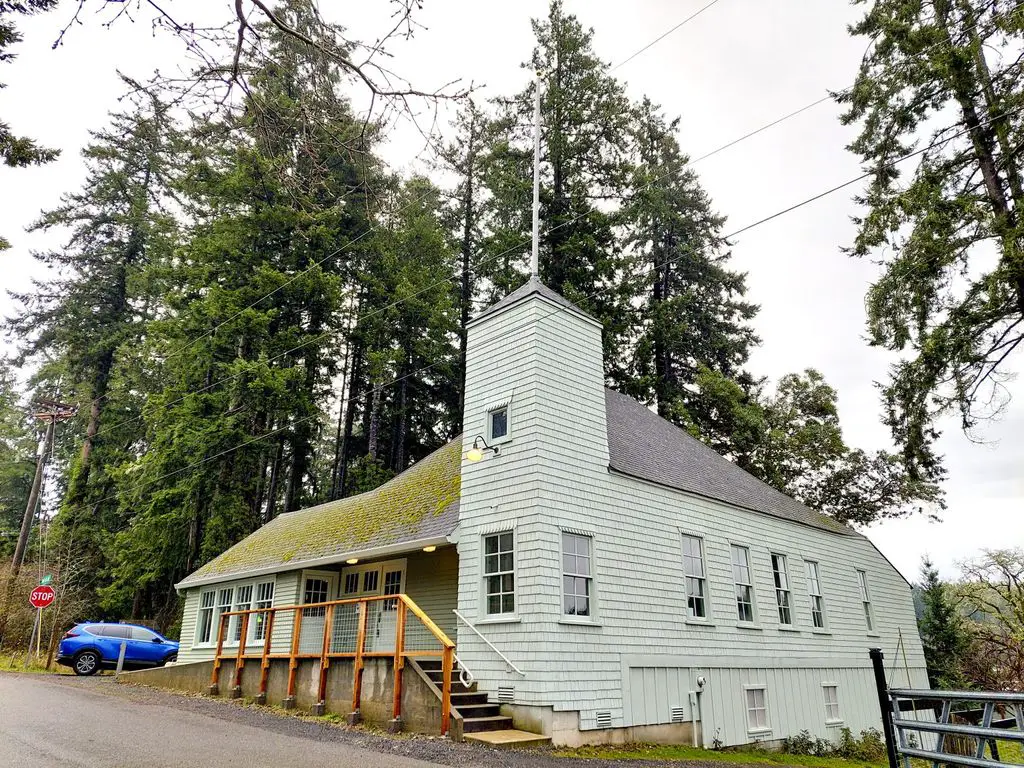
x,y
421,503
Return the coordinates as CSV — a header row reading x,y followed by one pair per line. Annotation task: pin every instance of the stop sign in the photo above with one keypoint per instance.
x,y
42,597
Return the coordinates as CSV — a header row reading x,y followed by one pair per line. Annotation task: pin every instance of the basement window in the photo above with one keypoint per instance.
x,y
831,703
757,709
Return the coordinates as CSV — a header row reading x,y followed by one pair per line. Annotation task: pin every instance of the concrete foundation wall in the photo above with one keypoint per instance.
x,y
563,728
421,710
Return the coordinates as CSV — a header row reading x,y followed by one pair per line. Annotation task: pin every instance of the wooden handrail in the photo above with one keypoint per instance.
x,y
427,622
324,655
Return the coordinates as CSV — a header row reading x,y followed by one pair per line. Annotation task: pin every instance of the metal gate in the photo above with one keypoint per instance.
x,y
947,727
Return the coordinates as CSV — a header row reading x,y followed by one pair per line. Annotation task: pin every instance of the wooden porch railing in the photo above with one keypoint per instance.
x,y
351,629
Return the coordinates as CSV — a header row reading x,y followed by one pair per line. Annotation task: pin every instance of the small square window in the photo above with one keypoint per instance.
x,y
497,421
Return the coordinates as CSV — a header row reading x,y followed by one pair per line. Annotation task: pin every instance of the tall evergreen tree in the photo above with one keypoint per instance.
x,y
692,314
943,633
585,166
19,151
17,457
82,325
277,193
945,72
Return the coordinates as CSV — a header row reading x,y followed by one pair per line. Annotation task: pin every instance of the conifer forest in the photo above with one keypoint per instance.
x,y
251,312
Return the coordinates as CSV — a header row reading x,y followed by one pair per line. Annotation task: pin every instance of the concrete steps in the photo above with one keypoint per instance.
x,y
482,721
509,738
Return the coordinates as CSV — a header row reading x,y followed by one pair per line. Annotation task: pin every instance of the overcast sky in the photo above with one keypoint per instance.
x,y
738,65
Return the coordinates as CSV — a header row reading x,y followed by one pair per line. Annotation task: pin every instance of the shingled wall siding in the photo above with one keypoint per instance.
x,y
432,581
558,457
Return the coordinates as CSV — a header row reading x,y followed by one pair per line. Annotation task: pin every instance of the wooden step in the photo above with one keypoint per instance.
x,y
463,698
508,738
472,711
488,723
437,678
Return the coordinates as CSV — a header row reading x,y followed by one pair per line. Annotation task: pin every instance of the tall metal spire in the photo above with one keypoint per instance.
x,y
535,255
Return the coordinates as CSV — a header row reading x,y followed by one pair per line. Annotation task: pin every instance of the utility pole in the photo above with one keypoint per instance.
x,y
53,413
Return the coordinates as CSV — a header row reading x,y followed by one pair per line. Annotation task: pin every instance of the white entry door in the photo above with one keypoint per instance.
x,y
387,578
317,587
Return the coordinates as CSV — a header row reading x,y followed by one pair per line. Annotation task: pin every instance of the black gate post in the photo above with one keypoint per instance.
x,y
884,705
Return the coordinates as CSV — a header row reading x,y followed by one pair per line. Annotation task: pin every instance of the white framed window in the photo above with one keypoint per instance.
x,y
780,574
499,574
814,592
224,602
865,599
577,574
757,708
744,583
497,424
255,595
243,602
258,622
204,621
695,577
831,691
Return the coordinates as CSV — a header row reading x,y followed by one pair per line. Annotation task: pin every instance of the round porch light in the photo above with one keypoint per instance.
x,y
479,446
352,561
431,548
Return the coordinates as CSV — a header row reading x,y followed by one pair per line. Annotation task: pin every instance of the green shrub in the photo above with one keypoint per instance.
x,y
868,748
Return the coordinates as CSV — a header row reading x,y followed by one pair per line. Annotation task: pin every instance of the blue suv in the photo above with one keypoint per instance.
x,y
88,648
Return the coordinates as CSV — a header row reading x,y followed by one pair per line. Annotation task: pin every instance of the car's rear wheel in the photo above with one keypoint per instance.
x,y
86,663
171,659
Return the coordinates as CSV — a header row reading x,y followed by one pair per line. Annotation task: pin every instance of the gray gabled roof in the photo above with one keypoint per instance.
x,y
531,287
644,445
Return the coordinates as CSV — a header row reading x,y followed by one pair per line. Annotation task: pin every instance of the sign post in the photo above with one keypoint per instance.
x,y
38,598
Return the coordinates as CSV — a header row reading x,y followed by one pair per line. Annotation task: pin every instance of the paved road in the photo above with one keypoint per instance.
x,y
50,722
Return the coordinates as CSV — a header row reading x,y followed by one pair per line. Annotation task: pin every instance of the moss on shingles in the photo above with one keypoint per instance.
x,y
396,511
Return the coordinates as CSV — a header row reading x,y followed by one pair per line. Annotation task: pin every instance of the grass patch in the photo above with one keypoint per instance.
x,y
15,662
1009,752
696,754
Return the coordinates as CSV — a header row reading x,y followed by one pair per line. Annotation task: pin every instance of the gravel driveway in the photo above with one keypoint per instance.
x,y
50,720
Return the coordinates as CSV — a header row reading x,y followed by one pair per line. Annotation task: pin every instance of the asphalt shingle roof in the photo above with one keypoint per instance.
x,y
644,445
421,503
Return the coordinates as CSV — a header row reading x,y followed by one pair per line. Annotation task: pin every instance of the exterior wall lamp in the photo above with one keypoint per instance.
x,y
479,446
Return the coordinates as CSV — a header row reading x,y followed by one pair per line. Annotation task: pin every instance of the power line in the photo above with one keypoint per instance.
x,y
658,39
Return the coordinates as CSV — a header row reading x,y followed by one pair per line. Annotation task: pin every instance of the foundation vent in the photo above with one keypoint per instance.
x,y
604,719
506,693
678,715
